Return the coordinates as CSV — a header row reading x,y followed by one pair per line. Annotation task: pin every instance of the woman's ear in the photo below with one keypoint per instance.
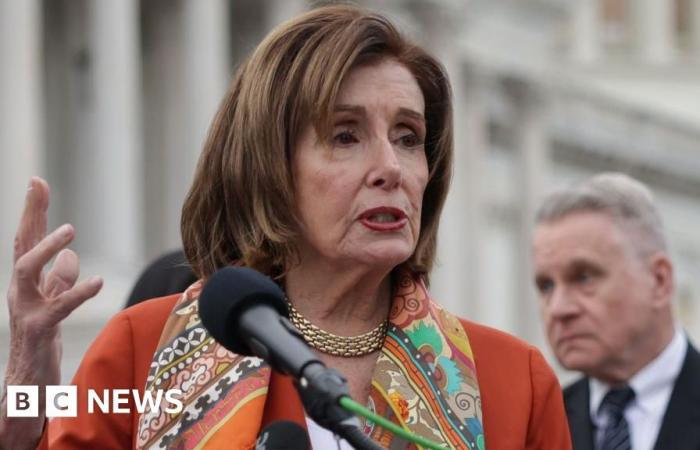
x,y
662,273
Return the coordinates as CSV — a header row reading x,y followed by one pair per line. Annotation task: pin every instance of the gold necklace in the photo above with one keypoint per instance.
x,y
335,345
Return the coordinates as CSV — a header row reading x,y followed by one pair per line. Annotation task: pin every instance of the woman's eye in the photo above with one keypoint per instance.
x,y
346,137
410,140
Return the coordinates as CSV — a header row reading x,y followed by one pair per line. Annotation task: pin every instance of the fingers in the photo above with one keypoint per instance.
x,y
66,302
63,274
32,224
28,267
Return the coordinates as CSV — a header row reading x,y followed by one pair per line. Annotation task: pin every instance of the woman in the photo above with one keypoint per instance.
x,y
326,167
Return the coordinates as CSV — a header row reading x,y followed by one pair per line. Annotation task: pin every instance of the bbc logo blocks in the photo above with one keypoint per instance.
x,y
62,401
23,401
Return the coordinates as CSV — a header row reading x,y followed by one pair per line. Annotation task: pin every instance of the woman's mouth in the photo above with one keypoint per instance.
x,y
384,218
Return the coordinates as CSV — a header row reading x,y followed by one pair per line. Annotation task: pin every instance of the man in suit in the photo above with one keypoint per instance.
x,y
605,281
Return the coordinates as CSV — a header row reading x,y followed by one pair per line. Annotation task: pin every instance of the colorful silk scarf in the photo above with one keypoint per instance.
x,y
424,380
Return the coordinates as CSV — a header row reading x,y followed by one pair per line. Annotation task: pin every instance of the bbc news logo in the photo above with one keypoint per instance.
x,y
62,401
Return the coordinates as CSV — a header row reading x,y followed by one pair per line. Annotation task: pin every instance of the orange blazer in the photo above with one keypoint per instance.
x,y
521,398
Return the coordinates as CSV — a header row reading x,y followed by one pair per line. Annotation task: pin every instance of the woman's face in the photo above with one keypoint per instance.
x,y
359,193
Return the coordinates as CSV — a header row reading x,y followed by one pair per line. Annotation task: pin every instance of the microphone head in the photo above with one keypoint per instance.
x,y
227,294
283,435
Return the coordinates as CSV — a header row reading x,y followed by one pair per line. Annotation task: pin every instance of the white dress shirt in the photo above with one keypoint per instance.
x,y
323,439
652,387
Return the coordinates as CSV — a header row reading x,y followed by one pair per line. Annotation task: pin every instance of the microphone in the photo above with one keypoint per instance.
x,y
283,435
246,312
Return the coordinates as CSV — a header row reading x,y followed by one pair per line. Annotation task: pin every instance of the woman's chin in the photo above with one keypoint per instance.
x,y
387,256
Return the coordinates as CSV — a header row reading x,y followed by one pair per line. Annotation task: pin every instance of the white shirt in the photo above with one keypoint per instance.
x,y
652,387
324,439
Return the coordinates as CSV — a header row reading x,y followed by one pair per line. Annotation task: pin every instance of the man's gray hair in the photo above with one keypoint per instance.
x,y
625,199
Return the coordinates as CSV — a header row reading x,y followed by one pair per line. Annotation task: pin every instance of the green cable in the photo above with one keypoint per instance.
x,y
354,407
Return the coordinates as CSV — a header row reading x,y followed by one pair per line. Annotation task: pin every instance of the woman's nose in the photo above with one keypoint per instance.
x,y
386,169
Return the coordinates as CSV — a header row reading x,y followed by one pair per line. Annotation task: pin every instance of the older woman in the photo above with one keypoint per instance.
x,y
326,168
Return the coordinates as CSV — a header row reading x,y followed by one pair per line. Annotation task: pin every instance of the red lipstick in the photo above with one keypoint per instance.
x,y
384,218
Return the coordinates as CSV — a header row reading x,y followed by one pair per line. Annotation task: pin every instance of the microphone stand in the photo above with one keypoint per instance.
x,y
321,389
245,312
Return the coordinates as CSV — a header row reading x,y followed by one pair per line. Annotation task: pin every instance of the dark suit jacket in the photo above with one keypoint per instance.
x,y
680,428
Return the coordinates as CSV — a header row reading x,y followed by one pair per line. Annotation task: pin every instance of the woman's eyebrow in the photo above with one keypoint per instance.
x,y
357,109
361,110
412,114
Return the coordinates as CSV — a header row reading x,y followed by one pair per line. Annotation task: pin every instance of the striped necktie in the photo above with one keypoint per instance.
x,y
616,432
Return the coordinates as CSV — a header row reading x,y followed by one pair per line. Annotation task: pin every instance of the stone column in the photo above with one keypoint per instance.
x,y
206,69
21,127
585,30
185,76
280,10
530,136
652,26
694,23
111,198
457,274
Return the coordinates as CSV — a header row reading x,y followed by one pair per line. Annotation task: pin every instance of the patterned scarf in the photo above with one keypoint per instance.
x,y
424,380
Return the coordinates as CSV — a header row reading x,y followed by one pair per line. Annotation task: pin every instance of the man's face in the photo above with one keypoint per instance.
x,y
598,295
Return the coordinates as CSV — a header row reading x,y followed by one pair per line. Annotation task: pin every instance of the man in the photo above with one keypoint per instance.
x,y
605,281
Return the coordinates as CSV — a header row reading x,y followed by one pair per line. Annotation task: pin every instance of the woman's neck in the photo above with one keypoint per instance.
x,y
346,303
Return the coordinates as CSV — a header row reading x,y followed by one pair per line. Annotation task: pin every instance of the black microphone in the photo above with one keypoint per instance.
x,y
246,312
283,435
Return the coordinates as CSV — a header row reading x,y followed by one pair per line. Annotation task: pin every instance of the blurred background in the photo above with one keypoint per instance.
x,y
110,102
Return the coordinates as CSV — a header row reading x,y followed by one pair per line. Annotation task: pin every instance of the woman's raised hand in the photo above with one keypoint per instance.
x,y
38,302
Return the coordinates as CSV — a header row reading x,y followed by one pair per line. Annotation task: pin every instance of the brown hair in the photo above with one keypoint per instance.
x,y
240,208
